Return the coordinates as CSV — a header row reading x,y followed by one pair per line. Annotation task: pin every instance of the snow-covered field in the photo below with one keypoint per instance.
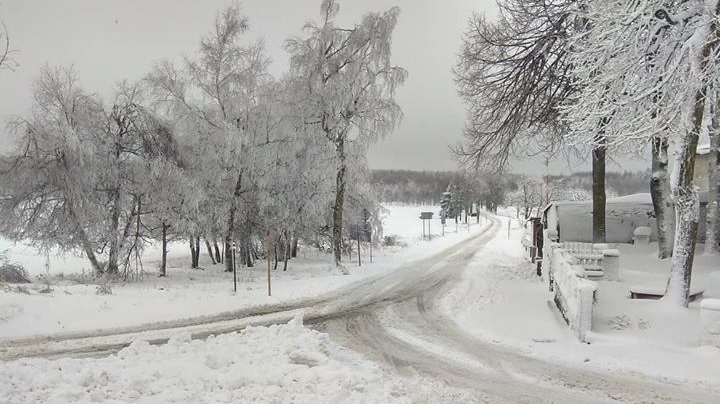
x,y
502,300
75,307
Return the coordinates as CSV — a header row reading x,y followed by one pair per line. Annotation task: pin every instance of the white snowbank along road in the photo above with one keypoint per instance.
x,y
280,363
392,318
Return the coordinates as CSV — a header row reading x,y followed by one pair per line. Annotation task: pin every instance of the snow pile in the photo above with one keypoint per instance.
x,y
278,364
574,295
710,319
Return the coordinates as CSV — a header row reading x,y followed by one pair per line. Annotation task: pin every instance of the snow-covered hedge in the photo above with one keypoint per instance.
x,y
574,294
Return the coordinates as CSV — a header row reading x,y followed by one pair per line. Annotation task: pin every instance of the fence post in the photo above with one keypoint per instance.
x,y
611,264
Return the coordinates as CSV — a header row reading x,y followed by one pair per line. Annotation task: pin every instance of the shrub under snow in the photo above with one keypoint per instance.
x,y
11,272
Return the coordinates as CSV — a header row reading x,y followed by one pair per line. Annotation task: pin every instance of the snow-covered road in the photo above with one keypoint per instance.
x,y
408,331
394,318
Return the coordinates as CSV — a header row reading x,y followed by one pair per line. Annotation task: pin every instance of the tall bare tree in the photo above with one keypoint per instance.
x,y
514,74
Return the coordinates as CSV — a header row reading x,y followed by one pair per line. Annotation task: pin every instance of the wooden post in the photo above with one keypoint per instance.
x,y
268,241
509,219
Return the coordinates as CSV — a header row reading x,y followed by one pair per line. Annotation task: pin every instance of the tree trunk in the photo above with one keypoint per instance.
x,y
163,263
339,201
664,212
598,187
192,252
85,241
294,250
210,251
275,252
249,250
197,251
286,254
687,210
113,253
712,233
229,233
218,256
687,205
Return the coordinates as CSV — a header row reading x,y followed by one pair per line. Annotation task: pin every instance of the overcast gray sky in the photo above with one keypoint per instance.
x,y
111,40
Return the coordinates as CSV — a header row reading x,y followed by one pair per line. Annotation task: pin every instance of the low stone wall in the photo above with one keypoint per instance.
x,y
710,320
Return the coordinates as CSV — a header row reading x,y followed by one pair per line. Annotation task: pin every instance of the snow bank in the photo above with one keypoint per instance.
x,y
278,364
574,295
710,320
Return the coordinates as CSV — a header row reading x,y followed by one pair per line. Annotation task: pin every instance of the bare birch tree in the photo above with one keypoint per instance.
x,y
348,86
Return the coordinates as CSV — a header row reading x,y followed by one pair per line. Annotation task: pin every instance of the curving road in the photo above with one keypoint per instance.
x,y
397,322
394,319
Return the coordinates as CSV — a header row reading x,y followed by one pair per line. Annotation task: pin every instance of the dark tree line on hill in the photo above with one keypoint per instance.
x,y
426,187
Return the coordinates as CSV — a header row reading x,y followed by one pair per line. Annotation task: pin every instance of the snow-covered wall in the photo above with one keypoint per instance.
x,y
574,294
710,317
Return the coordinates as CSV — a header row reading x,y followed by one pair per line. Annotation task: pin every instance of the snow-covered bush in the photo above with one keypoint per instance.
x,y
12,272
390,241
103,287
18,289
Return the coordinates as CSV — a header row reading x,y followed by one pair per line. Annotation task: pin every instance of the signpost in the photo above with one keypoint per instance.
x,y
426,216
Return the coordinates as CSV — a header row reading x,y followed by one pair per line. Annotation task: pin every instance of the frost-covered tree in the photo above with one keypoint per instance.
x,y
529,195
649,65
348,88
215,98
446,204
78,172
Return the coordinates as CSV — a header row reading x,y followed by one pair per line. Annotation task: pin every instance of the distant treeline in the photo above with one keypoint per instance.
x,y
426,187
407,186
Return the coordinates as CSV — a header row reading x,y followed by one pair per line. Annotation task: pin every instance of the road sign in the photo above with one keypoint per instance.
x,y
426,215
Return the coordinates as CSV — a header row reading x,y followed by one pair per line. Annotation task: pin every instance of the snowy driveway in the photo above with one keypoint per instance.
x,y
394,319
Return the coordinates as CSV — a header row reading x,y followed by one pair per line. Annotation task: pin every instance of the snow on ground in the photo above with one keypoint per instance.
x,y
286,363
74,306
500,299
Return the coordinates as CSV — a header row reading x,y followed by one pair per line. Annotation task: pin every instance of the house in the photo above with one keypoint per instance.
x,y
573,219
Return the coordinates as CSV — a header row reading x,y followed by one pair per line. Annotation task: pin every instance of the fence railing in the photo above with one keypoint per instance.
x,y
574,293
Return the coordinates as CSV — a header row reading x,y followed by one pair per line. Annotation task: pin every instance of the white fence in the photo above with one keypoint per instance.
x,y
574,294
